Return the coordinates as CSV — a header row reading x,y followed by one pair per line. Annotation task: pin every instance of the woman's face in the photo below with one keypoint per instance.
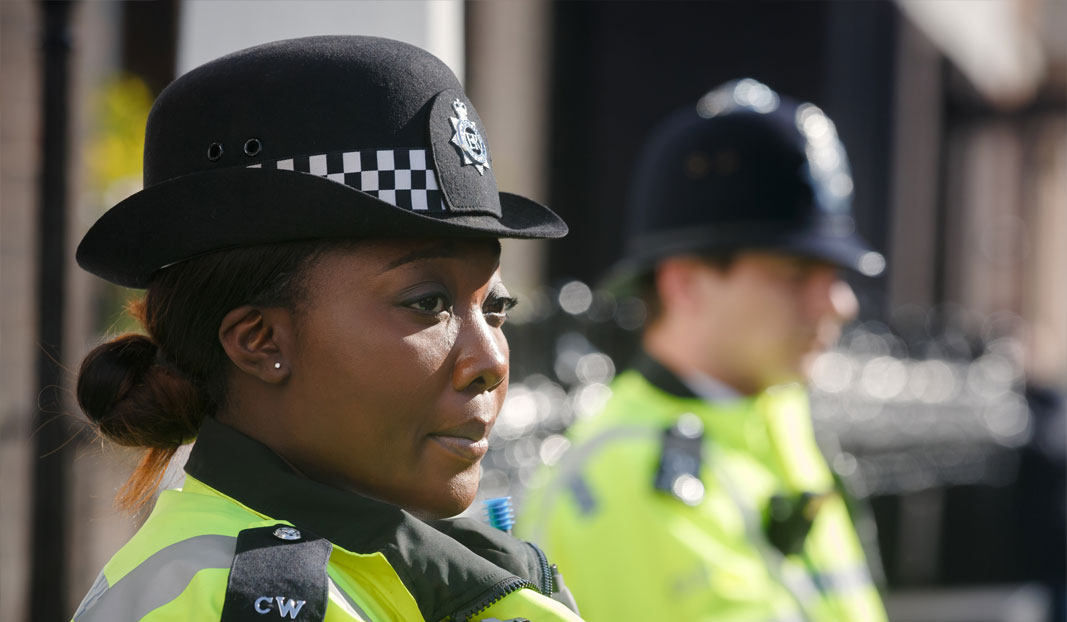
x,y
399,369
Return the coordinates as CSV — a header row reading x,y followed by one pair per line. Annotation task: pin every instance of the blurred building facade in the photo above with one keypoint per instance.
x,y
944,404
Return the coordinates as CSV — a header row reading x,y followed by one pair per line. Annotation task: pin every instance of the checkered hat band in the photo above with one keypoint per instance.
x,y
402,177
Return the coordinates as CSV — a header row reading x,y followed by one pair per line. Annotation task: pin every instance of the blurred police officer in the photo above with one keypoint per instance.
x,y
699,492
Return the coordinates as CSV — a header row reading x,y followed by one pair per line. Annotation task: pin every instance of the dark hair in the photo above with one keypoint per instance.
x,y
152,391
721,260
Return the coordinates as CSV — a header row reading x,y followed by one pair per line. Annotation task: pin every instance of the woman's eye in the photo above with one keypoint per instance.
x,y
499,306
435,303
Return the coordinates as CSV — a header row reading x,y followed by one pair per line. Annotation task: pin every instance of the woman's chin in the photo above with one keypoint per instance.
x,y
448,499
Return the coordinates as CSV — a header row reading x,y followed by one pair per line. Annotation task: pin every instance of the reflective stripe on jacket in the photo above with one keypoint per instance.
x,y
632,552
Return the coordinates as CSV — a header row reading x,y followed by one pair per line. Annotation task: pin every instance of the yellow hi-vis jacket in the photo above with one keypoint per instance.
x,y
696,547
246,538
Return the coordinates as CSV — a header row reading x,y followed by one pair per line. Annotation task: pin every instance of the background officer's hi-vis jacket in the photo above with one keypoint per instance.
x,y
670,507
205,555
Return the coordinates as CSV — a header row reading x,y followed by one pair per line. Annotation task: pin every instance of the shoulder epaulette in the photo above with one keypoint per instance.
x,y
681,459
278,571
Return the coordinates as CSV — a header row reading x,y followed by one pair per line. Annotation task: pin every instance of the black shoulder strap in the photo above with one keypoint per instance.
x,y
681,458
278,573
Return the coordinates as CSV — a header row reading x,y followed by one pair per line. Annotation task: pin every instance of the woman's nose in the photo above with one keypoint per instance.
x,y
482,363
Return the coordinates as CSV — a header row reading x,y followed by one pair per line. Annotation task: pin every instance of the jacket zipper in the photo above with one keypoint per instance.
x,y
507,586
497,592
547,587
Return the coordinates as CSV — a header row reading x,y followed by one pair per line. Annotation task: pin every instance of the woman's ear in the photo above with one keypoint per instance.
x,y
257,341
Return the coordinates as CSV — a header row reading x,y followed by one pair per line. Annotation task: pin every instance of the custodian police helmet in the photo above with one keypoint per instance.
x,y
334,136
743,169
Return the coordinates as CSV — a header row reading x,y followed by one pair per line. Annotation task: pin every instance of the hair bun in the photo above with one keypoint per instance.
x,y
135,401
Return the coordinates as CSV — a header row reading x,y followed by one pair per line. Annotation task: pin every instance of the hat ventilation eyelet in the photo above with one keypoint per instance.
x,y
214,151
253,147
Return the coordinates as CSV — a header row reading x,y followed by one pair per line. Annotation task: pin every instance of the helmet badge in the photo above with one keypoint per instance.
x,y
469,140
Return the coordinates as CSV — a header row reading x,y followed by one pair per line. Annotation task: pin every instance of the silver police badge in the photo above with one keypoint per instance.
x,y
469,140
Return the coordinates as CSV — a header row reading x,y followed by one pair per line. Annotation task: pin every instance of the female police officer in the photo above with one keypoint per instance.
x,y
317,237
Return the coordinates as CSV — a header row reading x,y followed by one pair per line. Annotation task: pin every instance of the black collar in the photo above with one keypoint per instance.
x,y
451,567
659,376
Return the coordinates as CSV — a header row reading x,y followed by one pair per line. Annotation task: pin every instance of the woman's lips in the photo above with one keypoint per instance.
x,y
465,448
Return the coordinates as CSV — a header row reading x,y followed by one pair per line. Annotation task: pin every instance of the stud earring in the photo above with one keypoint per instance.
x,y
277,366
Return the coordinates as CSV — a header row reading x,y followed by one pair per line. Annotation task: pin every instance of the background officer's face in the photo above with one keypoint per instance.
x,y
767,316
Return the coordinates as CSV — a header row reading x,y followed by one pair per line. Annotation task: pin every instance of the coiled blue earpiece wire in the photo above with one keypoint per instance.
x,y
500,513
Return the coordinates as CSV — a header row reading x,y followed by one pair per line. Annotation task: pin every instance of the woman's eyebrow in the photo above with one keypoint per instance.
x,y
435,251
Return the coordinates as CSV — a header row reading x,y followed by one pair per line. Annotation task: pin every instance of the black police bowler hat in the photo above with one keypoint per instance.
x,y
334,136
743,169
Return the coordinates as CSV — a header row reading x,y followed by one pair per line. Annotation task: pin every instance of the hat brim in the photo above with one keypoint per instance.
x,y
203,212
849,252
